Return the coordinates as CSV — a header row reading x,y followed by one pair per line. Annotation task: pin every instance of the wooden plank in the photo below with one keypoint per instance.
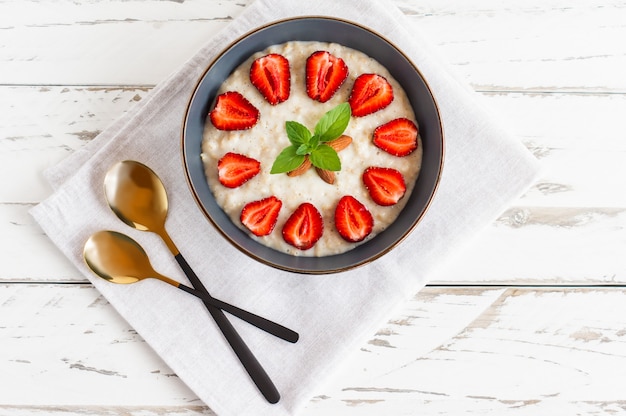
x,y
28,255
480,350
492,45
86,344
532,45
92,410
515,357
540,246
44,124
526,245
118,42
577,138
569,228
544,246
557,120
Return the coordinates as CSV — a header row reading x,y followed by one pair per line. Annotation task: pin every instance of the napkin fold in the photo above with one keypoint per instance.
x,y
485,170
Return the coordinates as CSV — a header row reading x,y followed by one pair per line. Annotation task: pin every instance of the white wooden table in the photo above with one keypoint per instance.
x,y
529,319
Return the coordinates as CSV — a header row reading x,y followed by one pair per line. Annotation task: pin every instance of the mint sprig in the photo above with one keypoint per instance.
x,y
303,142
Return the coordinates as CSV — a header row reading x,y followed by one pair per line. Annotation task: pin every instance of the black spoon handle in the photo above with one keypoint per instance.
x,y
256,320
248,360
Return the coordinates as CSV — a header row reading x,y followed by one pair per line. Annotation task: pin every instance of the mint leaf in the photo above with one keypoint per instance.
x,y
297,133
303,142
314,141
325,157
287,160
302,150
333,123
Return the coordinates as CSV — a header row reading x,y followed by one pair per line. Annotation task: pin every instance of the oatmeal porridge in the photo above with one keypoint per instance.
x,y
257,143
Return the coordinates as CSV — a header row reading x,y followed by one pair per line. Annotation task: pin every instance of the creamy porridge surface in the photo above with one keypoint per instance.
x,y
267,138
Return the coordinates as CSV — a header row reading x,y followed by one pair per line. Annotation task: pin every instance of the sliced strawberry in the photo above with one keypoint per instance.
x,y
260,216
370,93
304,227
270,75
385,185
233,112
325,73
234,169
397,137
353,220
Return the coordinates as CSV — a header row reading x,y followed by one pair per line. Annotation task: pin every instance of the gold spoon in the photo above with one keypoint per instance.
x,y
137,196
120,259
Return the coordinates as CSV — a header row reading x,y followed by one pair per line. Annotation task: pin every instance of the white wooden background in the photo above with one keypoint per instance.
x,y
529,319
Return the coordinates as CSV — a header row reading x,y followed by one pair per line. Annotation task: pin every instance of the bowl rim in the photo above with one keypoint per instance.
x,y
409,229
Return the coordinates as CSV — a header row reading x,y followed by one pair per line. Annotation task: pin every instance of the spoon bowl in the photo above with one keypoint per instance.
x,y
119,259
138,197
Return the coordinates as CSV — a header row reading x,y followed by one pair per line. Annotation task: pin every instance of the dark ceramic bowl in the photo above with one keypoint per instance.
x,y
324,30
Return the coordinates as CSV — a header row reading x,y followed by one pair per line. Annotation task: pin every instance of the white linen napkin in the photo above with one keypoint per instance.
x,y
485,170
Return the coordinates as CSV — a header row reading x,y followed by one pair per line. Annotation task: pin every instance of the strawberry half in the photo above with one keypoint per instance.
x,y
304,227
325,73
385,185
260,216
270,75
353,220
234,169
370,93
233,112
397,137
